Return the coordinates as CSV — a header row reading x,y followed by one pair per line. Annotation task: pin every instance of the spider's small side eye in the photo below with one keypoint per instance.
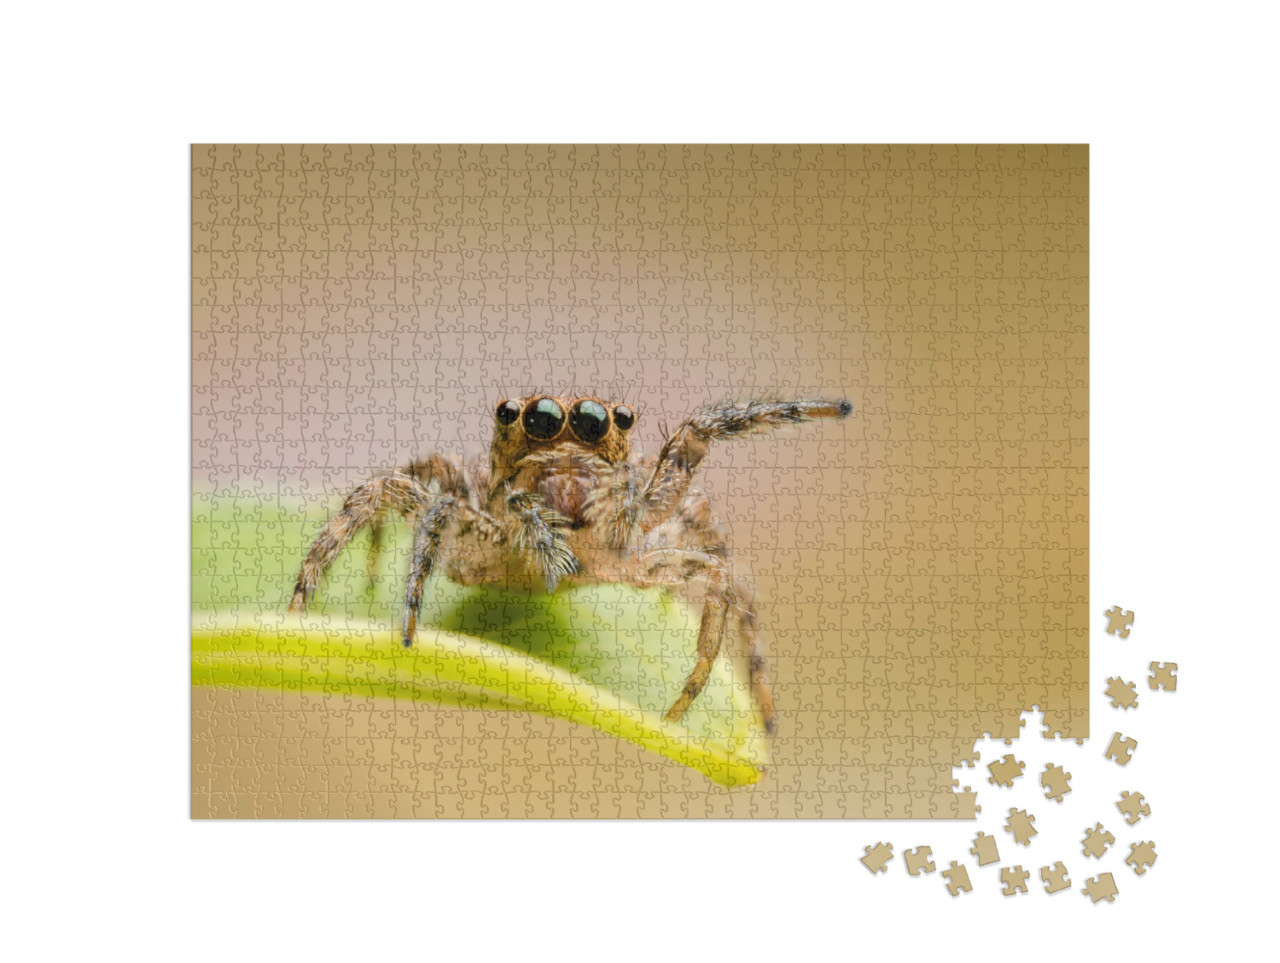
x,y
507,413
589,421
624,417
543,419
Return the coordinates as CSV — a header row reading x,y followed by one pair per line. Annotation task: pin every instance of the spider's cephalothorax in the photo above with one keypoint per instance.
x,y
563,500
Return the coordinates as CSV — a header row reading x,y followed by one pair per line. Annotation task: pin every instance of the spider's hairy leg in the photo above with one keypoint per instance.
x,y
447,512
391,490
758,665
688,444
539,535
449,477
669,565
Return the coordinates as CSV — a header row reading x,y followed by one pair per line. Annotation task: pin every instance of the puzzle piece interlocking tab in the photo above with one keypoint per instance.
x,y
1055,880
1119,622
1163,677
957,879
1014,880
918,860
1102,886
1134,807
1141,856
877,859
1021,825
1121,749
1054,782
1123,695
1096,841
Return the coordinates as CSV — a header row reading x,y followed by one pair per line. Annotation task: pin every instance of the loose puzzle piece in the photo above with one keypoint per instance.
x,y
1015,880
957,879
1003,773
1096,841
1162,676
1141,856
1119,622
918,860
1055,880
1121,749
1123,694
1021,825
984,847
1054,781
877,859
1133,806
1102,886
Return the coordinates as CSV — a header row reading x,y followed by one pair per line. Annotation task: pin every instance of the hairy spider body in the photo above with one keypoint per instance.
x,y
562,500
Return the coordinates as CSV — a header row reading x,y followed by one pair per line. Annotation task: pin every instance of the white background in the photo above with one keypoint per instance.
x,y
1183,264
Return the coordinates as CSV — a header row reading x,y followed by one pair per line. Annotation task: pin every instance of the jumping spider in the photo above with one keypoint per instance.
x,y
563,501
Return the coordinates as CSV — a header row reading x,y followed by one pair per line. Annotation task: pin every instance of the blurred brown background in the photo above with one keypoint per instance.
x,y
921,568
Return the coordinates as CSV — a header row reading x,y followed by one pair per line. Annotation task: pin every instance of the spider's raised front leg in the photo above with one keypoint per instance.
x,y
688,444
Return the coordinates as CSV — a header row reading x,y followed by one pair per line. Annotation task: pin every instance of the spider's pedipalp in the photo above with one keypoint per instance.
x,y
538,533
688,444
392,490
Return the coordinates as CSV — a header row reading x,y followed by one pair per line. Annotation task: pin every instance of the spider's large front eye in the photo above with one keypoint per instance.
x,y
589,421
543,419
624,417
507,413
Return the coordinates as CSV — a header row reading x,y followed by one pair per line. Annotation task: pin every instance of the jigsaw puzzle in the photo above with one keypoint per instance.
x,y
1134,807
918,860
1014,880
1055,879
1120,749
1102,886
1004,772
1055,782
957,879
1119,622
1096,841
985,849
687,497
1021,826
1163,676
1141,856
1123,695
877,858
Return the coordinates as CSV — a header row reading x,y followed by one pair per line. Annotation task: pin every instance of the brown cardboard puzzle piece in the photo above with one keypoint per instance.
x,y
1054,782
1121,749
1096,841
1119,622
1123,695
1141,856
957,879
1102,886
1004,772
1134,807
984,847
877,859
1015,880
1055,880
918,860
1163,677
1021,825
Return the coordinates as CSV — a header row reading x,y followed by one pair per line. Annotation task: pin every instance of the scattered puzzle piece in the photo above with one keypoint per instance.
x,y
1133,806
1141,856
1021,825
1054,781
1055,880
984,847
1096,841
1121,749
877,859
1102,886
1119,622
1004,772
1162,676
1015,880
918,860
957,879
1123,695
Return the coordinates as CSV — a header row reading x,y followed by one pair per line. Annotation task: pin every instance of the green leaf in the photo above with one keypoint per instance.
x,y
613,657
